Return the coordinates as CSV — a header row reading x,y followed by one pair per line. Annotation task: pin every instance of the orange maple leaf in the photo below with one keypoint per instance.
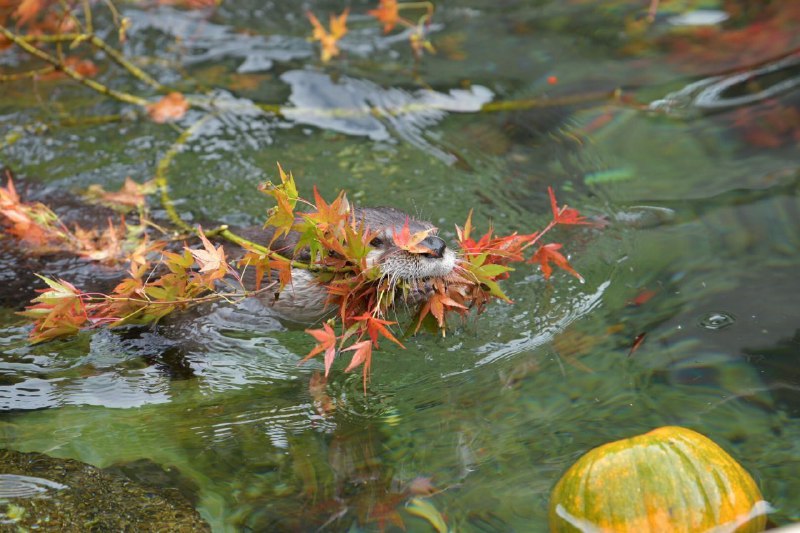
x,y
172,107
131,194
411,243
387,13
58,311
326,341
284,268
328,40
363,356
548,253
27,10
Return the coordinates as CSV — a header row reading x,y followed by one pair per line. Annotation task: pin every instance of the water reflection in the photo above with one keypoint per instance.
x,y
206,41
363,108
746,88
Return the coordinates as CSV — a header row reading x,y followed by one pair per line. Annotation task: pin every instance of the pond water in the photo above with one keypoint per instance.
x,y
649,127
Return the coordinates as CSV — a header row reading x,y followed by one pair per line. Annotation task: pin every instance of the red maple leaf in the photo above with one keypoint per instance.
x,y
326,342
363,356
548,253
565,214
376,327
387,13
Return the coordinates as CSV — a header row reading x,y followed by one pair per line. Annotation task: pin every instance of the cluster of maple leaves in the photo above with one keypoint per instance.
x,y
161,280
388,14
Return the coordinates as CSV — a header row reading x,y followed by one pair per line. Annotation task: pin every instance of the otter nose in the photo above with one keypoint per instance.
x,y
436,246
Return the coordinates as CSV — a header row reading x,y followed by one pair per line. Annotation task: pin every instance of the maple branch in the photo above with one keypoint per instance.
x,y
227,234
59,65
237,295
87,15
51,38
90,120
162,182
120,60
27,74
552,224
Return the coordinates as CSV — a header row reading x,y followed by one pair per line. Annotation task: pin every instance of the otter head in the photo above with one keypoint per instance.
x,y
395,263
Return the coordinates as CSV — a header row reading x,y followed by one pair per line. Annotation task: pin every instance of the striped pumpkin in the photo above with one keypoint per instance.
x,y
670,479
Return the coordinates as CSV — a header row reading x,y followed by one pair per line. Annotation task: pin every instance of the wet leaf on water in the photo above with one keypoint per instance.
x,y
387,14
170,108
328,40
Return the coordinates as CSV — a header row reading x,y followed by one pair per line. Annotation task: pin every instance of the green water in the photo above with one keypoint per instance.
x,y
703,209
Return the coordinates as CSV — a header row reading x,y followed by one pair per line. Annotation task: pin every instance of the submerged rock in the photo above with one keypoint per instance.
x,y
46,493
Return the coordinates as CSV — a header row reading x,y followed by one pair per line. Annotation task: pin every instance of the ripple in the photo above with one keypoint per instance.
x,y
718,93
582,305
236,347
15,486
109,389
717,320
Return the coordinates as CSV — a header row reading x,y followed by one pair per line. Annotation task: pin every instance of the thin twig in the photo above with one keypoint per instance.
x,y
59,65
51,38
27,74
90,120
120,60
162,182
87,15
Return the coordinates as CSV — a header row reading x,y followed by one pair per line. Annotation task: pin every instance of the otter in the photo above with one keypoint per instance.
x,y
304,300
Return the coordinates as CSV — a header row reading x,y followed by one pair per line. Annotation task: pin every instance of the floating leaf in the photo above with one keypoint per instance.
x,y
131,195
328,40
387,13
170,108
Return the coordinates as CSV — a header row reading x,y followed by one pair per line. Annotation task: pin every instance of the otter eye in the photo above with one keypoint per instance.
x,y
376,242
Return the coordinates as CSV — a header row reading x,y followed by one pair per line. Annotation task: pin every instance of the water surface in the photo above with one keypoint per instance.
x,y
699,254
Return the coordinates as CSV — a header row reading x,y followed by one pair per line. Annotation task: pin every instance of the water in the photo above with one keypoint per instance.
x,y
698,259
